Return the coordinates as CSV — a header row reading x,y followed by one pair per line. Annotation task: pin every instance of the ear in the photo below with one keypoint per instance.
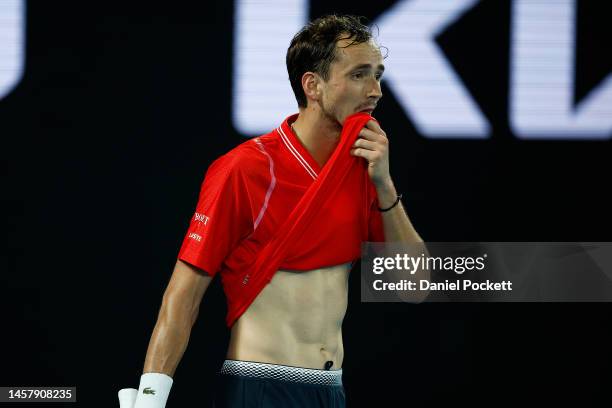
x,y
311,84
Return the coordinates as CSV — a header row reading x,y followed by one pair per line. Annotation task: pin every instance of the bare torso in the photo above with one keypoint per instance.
x,y
296,320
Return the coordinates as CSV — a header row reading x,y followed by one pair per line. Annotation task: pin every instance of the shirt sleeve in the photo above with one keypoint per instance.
x,y
221,220
376,231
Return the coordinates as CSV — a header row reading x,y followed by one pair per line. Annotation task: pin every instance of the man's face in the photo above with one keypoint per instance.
x,y
354,78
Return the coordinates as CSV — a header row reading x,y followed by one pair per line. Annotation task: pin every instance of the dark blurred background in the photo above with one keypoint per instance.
x,y
104,143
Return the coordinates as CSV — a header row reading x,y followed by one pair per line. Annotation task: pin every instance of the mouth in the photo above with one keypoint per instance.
x,y
368,109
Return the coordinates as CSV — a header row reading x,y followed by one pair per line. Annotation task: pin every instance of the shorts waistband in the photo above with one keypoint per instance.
x,y
281,372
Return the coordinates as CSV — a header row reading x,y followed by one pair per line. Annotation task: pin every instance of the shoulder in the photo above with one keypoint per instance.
x,y
248,158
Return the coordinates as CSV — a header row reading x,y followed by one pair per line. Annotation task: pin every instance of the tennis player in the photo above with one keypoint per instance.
x,y
281,219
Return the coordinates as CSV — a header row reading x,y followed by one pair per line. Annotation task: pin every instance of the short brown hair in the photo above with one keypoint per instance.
x,y
313,48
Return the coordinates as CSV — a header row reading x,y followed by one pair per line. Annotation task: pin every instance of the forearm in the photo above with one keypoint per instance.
x,y
169,339
396,224
398,228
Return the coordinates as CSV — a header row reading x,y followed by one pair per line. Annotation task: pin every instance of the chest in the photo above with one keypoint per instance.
x,y
345,210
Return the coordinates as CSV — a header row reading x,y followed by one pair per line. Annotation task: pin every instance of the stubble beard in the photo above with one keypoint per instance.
x,y
329,114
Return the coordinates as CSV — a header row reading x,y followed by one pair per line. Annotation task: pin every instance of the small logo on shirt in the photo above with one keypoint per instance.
x,y
201,218
148,390
195,236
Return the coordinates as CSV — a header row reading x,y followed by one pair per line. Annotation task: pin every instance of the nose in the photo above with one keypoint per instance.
x,y
374,90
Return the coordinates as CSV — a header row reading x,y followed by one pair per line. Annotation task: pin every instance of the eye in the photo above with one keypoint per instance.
x,y
357,75
379,76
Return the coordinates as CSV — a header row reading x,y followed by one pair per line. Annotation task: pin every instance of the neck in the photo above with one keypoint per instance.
x,y
317,133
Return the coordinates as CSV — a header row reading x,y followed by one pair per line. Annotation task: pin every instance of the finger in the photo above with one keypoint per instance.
x,y
371,135
365,144
370,155
374,126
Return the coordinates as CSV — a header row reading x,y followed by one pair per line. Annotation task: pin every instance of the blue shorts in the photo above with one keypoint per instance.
x,y
242,384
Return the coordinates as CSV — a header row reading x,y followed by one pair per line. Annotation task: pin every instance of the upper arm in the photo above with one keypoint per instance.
x,y
186,288
222,218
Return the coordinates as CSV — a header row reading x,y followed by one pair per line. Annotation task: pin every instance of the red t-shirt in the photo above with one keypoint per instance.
x,y
249,192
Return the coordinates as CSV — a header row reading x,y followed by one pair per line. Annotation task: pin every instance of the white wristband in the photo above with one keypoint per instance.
x,y
127,397
153,390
